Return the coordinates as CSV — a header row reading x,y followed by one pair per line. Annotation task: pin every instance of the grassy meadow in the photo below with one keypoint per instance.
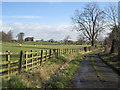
x,y
15,48
35,46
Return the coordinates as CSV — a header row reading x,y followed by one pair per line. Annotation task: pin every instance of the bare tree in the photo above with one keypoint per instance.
x,y
112,15
20,37
90,22
81,39
42,40
51,40
67,39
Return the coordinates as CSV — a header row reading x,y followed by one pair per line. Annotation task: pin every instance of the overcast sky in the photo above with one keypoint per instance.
x,y
42,20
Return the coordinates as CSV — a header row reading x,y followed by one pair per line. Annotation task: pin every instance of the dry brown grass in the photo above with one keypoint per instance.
x,y
38,76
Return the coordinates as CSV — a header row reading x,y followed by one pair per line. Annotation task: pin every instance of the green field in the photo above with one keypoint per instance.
x,y
35,46
15,48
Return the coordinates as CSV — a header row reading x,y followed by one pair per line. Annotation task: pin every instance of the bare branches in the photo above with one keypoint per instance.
x,y
89,22
20,37
112,14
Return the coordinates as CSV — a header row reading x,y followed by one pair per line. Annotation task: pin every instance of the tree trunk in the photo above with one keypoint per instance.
x,y
105,49
114,48
92,43
119,48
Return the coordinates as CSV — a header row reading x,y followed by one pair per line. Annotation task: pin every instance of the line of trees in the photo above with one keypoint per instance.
x,y
8,37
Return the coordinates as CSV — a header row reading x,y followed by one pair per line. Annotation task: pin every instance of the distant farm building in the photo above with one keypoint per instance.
x,y
29,39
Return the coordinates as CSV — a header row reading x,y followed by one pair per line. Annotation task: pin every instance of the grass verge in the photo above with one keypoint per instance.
x,y
62,80
112,60
99,75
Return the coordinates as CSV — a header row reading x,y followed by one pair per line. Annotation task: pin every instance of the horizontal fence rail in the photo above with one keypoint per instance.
x,y
15,63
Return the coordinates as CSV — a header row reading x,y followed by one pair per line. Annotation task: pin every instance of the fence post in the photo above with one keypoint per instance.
x,y
50,54
57,52
32,57
64,51
89,48
37,60
70,51
61,51
54,52
67,51
8,60
26,57
85,49
41,57
20,62
46,55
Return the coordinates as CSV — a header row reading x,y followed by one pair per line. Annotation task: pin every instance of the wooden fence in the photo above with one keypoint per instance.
x,y
28,60
24,61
